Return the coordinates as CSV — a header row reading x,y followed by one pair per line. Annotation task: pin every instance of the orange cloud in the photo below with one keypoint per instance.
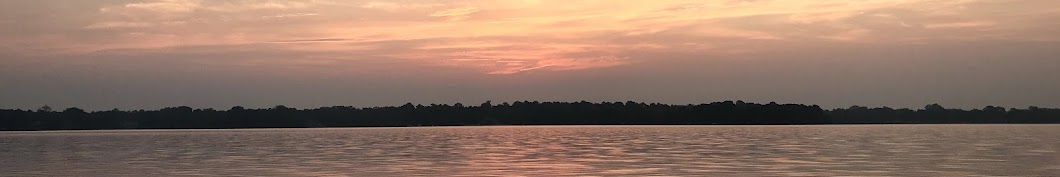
x,y
456,13
506,37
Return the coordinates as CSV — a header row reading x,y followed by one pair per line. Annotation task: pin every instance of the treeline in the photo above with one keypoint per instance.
x,y
517,113
936,114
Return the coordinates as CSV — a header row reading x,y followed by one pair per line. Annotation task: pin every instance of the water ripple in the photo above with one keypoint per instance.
x,y
859,150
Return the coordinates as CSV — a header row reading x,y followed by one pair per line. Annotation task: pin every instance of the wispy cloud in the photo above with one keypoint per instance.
x,y
456,13
960,25
291,15
312,40
540,35
399,6
169,6
104,25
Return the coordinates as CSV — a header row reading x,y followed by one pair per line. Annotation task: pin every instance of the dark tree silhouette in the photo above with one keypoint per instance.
x,y
517,113
936,114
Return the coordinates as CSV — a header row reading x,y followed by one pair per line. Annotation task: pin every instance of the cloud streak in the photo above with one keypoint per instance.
x,y
456,14
219,53
533,36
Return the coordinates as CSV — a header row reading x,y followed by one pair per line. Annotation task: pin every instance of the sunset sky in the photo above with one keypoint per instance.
x,y
149,54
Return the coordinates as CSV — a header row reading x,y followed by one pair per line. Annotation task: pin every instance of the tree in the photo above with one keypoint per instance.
x,y
516,113
934,107
44,108
73,110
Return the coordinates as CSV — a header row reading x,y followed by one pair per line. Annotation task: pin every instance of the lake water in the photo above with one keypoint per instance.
x,y
834,150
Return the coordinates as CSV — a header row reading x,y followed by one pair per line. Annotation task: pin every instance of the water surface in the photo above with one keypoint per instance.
x,y
832,150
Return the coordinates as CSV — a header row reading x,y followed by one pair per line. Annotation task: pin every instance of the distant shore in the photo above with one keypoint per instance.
x,y
512,114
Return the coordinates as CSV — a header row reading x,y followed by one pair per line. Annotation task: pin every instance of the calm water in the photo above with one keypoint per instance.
x,y
860,150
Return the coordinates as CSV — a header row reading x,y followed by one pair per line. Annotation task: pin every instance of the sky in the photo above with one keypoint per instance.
x,y
150,54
